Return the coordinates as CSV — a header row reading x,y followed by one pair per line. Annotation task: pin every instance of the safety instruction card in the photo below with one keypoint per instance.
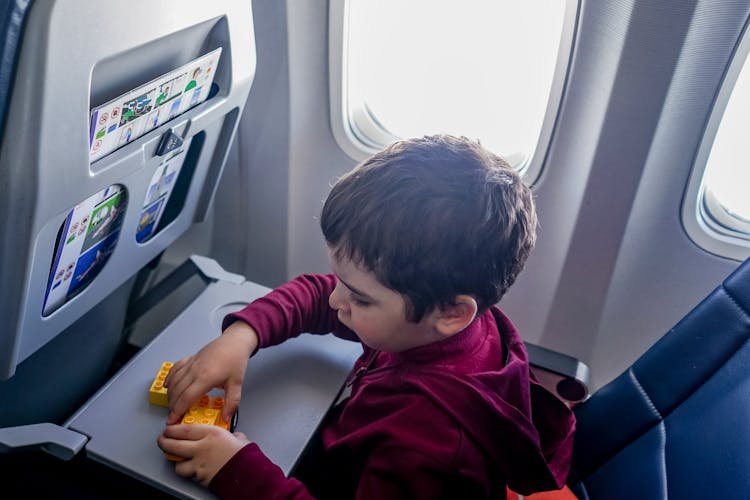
x,y
139,111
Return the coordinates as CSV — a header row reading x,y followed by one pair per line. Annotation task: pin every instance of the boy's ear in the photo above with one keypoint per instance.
x,y
457,316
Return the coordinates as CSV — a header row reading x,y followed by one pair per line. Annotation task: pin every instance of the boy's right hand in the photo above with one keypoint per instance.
x,y
221,363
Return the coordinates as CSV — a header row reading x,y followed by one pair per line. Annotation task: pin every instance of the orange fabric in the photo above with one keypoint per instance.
x,y
563,494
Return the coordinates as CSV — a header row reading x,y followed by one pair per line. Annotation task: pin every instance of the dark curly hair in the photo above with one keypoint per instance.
x,y
433,218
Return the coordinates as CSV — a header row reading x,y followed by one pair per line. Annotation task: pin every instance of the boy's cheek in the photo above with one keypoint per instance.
x,y
345,319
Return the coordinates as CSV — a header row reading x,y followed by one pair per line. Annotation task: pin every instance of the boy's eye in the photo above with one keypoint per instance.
x,y
358,301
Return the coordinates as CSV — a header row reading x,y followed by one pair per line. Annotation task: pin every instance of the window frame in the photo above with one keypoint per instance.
x,y
706,222
357,131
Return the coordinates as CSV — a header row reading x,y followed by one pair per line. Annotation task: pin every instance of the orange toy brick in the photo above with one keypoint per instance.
x,y
207,411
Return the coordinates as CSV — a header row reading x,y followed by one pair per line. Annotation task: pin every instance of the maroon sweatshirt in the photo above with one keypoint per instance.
x,y
459,418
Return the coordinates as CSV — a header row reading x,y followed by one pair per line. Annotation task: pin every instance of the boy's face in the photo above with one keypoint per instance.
x,y
374,312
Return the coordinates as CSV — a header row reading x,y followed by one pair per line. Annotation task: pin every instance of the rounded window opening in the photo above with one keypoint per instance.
x,y
491,71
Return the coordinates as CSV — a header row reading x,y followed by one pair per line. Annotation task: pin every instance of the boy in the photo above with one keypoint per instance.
x,y
423,239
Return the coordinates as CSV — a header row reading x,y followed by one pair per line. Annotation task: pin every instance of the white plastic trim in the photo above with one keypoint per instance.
x,y
706,221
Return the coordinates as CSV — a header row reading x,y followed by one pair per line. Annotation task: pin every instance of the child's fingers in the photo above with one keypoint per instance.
x,y
189,396
232,396
179,377
179,447
192,432
182,440
174,372
182,394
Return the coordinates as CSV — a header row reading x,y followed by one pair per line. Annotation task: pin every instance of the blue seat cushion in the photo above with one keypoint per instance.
x,y
675,424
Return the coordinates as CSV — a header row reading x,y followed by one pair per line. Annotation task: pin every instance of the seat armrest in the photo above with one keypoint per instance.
x,y
565,376
55,440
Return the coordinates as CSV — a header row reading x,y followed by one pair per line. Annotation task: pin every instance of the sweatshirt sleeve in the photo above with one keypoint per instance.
x,y
250,474
395,473
299,306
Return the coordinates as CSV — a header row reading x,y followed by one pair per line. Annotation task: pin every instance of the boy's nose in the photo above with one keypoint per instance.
x,y
335,300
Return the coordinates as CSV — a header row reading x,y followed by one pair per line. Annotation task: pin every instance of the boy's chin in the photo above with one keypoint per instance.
x,y
377,347
369,344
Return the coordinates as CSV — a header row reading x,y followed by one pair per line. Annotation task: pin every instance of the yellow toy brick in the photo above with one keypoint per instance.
x,y
157,394
218,403
201,415
207,410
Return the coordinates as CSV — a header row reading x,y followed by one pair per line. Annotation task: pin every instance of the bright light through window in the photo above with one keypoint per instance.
x,y
478,68
727,178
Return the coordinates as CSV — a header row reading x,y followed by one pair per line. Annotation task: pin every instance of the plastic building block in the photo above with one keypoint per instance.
x,y
207,410
157,394
202,412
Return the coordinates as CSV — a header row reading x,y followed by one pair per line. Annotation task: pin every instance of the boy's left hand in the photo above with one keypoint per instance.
x,y
205,448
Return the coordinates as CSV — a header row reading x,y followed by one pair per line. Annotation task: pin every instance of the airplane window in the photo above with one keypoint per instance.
x,y
485,69
727,177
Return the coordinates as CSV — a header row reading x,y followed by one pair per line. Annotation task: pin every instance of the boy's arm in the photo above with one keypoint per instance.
x,y
250,474
395,473
300,305
220,363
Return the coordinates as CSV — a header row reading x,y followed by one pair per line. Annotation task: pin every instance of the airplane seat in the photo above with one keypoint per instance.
x,y
106,159
11,27
51,383
675,424
63,308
